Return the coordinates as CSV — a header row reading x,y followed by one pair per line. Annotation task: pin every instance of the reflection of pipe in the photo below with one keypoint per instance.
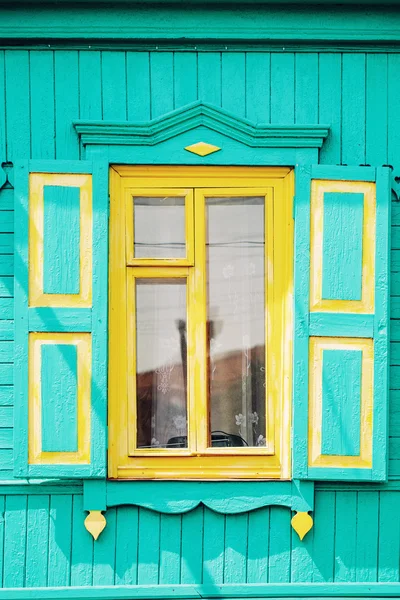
x,y
183,342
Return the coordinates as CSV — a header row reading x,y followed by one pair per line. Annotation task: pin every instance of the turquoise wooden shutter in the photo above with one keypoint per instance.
x,y
341,345
61,251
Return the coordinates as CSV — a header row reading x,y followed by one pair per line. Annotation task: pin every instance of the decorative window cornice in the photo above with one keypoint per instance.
x,y
195,115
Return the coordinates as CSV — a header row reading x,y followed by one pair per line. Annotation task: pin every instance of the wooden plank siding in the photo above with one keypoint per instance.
x,y
43,543
42,91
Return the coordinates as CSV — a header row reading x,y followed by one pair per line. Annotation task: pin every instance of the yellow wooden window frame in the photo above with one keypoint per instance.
x,y
198,461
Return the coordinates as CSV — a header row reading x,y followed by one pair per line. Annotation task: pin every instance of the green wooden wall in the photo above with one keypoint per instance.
x,y
43,91
356,533
43,543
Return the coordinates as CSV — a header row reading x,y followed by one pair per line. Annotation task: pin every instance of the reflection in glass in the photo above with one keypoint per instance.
x,y
161,363
236,320
159,227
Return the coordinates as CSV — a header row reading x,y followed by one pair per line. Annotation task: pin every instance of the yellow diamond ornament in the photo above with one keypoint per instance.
x,y
202,148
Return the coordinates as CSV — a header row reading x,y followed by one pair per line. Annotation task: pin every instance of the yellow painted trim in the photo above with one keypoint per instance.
x,y
187,194
317,303
317,346
37,297
84,347
194,177
199,461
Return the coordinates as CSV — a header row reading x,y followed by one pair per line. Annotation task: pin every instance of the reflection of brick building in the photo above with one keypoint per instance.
x,y
236,389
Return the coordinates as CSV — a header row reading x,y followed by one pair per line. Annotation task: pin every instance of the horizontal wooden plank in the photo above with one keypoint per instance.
x,y
6,374
395,261
7,199
6,459
6,243
394,468
395,307
394,378
394,448
6,352
6,264
6,286
341,325
60,319
6,221
6,416
395,237
6,308
6,438
6,331
343,173
6,395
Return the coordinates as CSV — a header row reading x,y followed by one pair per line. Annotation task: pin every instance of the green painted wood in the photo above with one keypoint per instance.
x,y
306,88
213,548
389,532
330,104
37,541
3,135
258,546
279,546
90,85
59,397
41,74
66,103
61,240
376,104
341,325
353,102
258,85
148,547
138,86
185,78
367,536
233,71
160,22
6,240
282,88
82,547
345,537
6,395
6,438
324,537
126,546
236,540
341,402
192,546
209,76
104,553
60,319
170,546
14,540
343,216
60,531
161,83
113,70
17,105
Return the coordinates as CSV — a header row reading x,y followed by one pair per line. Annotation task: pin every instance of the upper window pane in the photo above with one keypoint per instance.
x,y
236,320
159,227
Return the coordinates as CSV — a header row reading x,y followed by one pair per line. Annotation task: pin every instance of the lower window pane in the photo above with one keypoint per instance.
x,y
236,321
161,363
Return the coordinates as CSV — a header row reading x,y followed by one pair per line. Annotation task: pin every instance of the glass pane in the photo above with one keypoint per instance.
x,y
159,227
161,363
236,320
